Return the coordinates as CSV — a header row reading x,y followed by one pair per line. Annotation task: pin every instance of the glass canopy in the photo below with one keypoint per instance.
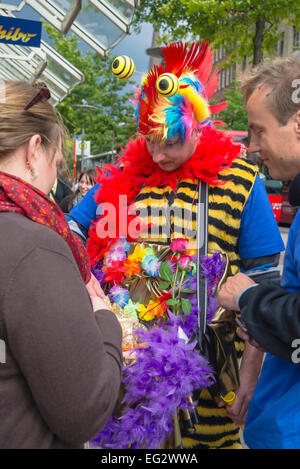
x,y
43,64
99,23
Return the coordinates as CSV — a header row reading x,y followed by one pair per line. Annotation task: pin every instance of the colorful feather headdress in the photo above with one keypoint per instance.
x,y
173,98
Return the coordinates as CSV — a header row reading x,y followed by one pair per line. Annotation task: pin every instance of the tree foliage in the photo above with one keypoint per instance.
x,y
244,27
235,115
100,88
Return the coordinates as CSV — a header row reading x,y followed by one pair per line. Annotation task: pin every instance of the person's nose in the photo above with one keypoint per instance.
x,y
158,154
254,146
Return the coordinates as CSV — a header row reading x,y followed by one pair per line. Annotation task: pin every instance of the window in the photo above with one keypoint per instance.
x,y
296,38
244,64
281,46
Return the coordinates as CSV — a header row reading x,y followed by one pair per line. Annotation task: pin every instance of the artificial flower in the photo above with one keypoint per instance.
x,y
131,267
163,299
143,313
156,308
117,252
184,262
131,308
149,251
119,295
191,252
124,244
151,265
179,245
138,254
114,276
154,384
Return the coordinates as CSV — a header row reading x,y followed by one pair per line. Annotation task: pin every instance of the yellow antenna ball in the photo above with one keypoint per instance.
x,y
123,67
167,84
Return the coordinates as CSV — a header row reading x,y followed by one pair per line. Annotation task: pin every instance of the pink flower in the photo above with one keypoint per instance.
x,y
179,245
184,262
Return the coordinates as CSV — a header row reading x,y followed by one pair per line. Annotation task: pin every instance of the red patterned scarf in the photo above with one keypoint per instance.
x,y
18,196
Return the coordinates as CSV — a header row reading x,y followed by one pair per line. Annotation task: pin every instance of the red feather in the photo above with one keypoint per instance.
x,y
143,117
212,84
203,72
218,107
214,153
178,58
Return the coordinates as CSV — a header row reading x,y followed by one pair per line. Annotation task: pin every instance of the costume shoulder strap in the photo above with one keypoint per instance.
x,y
238,179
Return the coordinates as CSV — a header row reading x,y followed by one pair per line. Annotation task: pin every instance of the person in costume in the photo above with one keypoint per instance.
x,y
159,173
52,324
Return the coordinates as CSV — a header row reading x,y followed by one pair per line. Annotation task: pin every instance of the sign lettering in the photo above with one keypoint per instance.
x,y
20,32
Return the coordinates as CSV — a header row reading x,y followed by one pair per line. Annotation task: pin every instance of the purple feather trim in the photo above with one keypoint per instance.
x,y
155,390
165,374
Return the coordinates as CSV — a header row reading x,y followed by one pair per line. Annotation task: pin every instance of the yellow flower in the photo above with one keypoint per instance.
x,y
138,254
191,252
154,309
143,313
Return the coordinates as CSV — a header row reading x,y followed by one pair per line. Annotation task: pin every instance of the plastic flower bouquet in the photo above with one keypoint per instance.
x,y
152,289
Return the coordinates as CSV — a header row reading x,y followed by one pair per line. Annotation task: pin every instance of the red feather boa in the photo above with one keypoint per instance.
x,y
214,153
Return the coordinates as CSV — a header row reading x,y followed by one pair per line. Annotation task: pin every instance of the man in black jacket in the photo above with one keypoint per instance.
x,y
270,315
273,106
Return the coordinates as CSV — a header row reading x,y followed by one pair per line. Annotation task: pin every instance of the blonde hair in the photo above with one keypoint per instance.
x,y
17,126
281,75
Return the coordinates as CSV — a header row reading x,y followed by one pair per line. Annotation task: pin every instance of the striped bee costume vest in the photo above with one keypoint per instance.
x,y
165,209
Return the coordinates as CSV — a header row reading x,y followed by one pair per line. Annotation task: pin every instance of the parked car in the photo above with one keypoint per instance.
x,y
288,212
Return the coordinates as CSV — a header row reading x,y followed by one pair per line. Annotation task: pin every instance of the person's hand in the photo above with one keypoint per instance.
x,y
98,303
238,410
96,294
231,289
243,395
93,287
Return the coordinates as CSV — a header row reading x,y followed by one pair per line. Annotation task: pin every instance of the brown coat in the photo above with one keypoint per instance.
x,y
62,373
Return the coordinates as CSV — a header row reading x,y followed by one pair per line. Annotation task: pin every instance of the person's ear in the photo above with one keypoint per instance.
x,y
32,155
297,124
197,134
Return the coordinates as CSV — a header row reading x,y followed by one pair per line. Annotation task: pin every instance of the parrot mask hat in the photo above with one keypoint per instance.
x,y
173,98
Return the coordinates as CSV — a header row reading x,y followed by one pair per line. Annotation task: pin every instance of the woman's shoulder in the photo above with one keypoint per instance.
x,y
20,235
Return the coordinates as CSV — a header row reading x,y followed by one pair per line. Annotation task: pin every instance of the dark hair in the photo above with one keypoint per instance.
x,y
91,174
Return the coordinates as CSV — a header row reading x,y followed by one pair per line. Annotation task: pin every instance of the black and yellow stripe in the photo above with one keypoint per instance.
x,y
164,208
215,429
167,209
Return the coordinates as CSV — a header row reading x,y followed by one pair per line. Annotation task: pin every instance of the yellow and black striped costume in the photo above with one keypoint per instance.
x,y
226,204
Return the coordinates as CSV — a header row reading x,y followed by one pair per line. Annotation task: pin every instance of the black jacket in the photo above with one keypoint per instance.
x,y
62,190
271,315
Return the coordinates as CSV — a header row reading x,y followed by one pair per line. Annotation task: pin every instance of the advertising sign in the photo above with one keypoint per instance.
x,y
86,151
20,32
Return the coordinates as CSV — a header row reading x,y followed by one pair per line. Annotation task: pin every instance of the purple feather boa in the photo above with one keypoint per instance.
x,y
213,268
164,375
155,389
